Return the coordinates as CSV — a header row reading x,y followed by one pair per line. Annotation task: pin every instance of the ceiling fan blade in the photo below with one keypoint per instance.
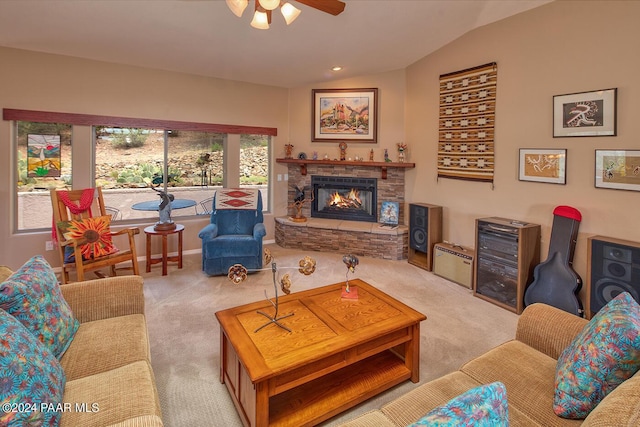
x,y
334,7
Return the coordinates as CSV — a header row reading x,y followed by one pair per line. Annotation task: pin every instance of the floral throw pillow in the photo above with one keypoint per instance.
x,y
482,406
603,355
95,232
31,378
32,295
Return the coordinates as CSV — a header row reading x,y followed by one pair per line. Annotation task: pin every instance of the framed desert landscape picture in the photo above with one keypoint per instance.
x,y
543,165
619,169
345,115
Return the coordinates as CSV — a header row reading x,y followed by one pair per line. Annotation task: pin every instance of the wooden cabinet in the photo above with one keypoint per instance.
x,y
507,251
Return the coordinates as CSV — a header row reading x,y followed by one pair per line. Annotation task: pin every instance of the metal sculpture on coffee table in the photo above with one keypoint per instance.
x,y
238,274
350,261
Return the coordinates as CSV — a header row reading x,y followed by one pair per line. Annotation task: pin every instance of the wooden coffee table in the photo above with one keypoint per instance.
x,y
340,352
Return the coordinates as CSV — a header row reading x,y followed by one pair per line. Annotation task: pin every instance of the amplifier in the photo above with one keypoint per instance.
x,y
453,262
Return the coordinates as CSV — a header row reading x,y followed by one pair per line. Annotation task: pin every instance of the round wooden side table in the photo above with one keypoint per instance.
x,y
150,231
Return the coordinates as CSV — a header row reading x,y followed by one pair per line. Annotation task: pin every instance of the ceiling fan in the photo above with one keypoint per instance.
x,y
263,9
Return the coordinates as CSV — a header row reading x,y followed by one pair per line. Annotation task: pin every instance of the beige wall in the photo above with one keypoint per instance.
x,y
563,47
34,81
559,48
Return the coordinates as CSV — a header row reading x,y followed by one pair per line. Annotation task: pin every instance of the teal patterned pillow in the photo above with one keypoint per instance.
x,y
32,295
600,358
482,406
31,378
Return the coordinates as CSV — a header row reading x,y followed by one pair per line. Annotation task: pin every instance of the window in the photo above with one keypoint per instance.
x,y
130,161
130,155
43,157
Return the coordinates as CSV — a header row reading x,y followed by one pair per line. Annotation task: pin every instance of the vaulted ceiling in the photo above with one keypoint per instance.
x,y
203,37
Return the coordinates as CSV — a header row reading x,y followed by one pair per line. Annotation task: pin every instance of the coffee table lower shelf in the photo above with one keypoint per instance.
x,y
327,396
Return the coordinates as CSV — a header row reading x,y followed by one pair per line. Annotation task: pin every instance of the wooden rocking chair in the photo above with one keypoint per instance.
x,y
82,229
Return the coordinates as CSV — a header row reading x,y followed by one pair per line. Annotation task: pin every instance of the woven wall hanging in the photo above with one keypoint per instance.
x,y
466,127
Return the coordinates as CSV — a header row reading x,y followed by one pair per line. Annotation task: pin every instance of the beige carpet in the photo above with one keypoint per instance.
x,y
184,333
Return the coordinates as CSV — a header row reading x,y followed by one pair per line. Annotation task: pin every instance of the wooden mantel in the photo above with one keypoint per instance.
x,y
382,165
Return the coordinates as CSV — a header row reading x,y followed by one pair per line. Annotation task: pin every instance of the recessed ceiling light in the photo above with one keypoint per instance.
x,y
336,68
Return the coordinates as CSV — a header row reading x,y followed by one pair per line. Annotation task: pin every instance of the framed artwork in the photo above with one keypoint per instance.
x,y
585,114
390,213
345,115
43,155
543,165
619,169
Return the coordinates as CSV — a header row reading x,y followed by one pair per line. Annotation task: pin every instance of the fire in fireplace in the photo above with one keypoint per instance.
x,y
348,198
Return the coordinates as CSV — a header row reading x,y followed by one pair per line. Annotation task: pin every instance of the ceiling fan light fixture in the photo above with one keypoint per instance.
x,y
260,20
290,12
237,6
269,4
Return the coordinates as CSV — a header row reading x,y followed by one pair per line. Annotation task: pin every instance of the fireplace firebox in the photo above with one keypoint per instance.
x,y
348,198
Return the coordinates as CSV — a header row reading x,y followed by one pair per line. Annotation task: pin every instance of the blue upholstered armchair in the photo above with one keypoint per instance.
x,y
235,233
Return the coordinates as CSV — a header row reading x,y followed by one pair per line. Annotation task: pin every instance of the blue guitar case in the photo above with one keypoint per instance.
x,y
555,282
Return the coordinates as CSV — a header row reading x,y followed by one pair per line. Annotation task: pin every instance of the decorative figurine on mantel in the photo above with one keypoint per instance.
x,y
343,150
350,261
164,211
288,151
386,155
371,155
401,147
298,202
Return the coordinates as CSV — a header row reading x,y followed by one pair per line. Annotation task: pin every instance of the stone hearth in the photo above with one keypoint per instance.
x,y
357,237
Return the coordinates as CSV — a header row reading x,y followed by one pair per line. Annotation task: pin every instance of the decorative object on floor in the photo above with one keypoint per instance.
x,y
264,8
585,114
618,169
555,282
298,203
77,205
235,231
543,165
288,151
401,148
345,115
351,261
466,128
164,211
238,274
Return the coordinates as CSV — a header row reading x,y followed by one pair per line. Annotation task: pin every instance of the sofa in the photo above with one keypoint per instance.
x,y
107,376
527,368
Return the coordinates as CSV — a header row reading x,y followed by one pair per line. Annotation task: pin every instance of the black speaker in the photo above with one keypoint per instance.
x,y
614,267
425,230
418,220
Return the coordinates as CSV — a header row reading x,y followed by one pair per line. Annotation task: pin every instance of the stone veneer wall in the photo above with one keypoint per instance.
x,y
359,238
389,190
332,235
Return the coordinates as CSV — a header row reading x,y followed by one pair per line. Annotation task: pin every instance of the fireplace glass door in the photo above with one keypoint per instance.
x,y
347,198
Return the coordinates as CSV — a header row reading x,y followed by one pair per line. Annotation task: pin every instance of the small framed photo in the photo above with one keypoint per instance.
x,y
585,114
345,115
543,165
619,169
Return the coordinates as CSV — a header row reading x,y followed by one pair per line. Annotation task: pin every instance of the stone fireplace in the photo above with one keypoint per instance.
x,y
348,198
358,237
